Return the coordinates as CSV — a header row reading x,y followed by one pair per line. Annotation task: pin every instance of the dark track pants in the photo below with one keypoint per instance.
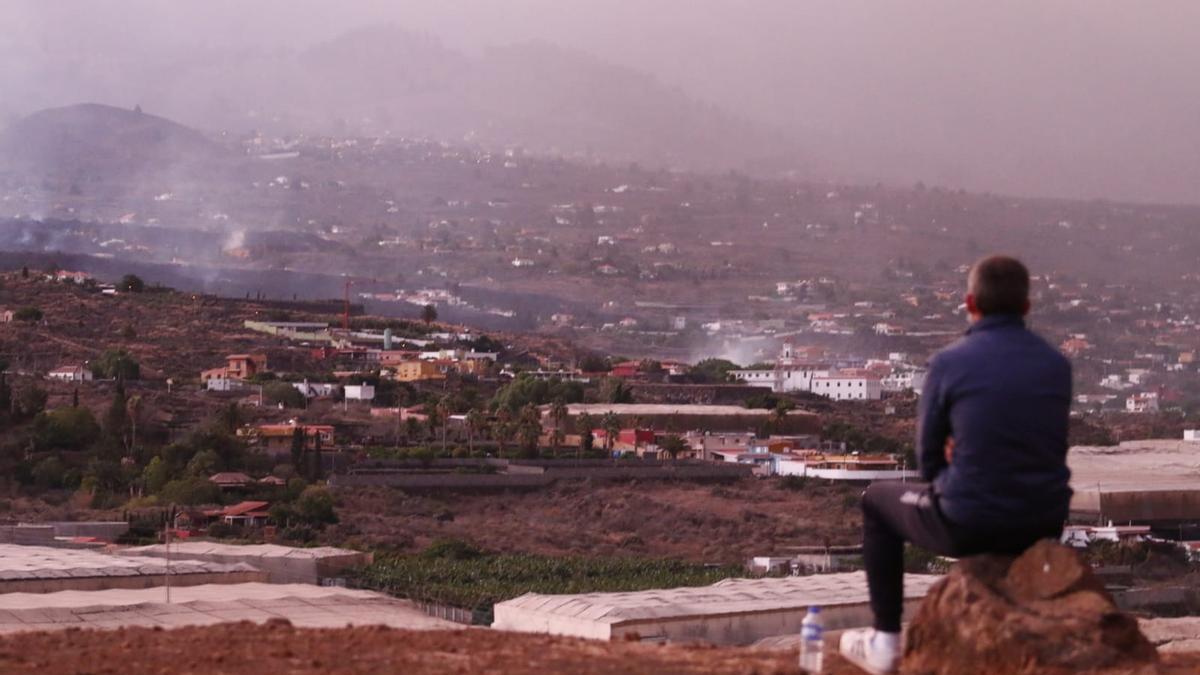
x,y
894,513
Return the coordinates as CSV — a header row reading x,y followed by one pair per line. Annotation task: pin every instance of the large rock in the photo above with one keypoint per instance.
x,y
1041,612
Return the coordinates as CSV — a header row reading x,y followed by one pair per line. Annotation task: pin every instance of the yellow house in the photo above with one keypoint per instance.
x,y
414,371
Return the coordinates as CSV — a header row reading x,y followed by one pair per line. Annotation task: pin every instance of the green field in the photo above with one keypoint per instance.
x,y
457,575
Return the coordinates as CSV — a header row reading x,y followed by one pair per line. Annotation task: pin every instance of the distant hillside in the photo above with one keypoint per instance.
x,y
544,97
99,139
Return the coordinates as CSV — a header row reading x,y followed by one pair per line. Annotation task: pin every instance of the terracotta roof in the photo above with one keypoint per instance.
x,y
230,478
245,508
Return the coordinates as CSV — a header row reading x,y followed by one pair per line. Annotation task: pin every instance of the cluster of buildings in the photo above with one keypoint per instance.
x,y
352,354
805,370
732,434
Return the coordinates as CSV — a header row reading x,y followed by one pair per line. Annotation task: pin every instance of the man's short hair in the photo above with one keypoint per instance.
x,y
1000,285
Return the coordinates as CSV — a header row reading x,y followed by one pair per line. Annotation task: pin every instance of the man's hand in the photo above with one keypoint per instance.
x,y
949,450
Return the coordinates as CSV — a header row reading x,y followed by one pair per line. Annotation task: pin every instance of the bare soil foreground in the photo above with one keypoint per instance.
x,y
249,649
701,523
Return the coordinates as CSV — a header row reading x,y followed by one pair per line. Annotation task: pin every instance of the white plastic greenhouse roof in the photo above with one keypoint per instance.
x,y
731,596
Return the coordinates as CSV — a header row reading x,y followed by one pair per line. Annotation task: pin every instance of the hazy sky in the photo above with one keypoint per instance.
x,y
1088,98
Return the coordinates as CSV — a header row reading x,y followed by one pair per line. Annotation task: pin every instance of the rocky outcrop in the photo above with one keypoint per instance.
x,y
1041,612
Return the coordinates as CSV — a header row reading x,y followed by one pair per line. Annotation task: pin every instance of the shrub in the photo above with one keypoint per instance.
x,y
315,506
29,314
451,549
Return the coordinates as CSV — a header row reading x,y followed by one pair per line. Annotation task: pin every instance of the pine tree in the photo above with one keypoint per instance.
x,y
315,471
298,449
117,419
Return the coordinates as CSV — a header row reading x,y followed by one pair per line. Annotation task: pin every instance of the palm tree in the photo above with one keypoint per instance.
x,y
612,427
431,422
638,423
443,411
412,427
133,411
584,425
779,413
476,421
558,413
529,428
502,429
672,445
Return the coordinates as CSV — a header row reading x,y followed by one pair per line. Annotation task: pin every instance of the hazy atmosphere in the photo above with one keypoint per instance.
x,y
1083,98
624,332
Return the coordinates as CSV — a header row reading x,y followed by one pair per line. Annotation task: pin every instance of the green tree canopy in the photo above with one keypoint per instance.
x,y
204,464
594,363
49,473
275,393
65,429
156,475
712,370
525,390
116,364
316,506
614,390
190,491
429,314
30,314
131,283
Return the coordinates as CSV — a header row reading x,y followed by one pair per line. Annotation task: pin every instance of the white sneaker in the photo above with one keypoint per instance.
x,y
876,653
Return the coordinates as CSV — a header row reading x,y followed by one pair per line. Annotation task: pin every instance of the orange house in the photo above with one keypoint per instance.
x,y
237,367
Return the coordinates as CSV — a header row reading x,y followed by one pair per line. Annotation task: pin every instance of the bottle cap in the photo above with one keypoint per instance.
x,y
814,609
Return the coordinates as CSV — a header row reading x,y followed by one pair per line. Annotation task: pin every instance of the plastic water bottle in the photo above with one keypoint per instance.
x,y
812,641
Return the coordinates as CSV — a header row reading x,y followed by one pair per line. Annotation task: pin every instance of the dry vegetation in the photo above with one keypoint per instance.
x,y
701,523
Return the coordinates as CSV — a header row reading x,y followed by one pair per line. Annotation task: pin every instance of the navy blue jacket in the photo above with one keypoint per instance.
x,y
1004,395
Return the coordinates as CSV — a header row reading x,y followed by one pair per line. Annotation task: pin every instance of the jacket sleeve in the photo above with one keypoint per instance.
x,y
933,423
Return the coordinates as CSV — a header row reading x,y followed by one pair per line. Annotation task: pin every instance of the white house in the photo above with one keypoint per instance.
x,y
1191,434
1079,536
223,384
706,445
848,387
316,389
1146,402
360,392
854,468
70,374
904,380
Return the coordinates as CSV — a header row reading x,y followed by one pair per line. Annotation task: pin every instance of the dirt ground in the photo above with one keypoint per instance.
x,y
279,648
248,649
723,523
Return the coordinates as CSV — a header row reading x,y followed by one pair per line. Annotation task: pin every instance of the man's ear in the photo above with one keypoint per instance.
x,y
972,308
1025,311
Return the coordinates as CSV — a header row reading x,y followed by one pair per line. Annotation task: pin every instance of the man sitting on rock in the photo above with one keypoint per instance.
x,y
992,446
